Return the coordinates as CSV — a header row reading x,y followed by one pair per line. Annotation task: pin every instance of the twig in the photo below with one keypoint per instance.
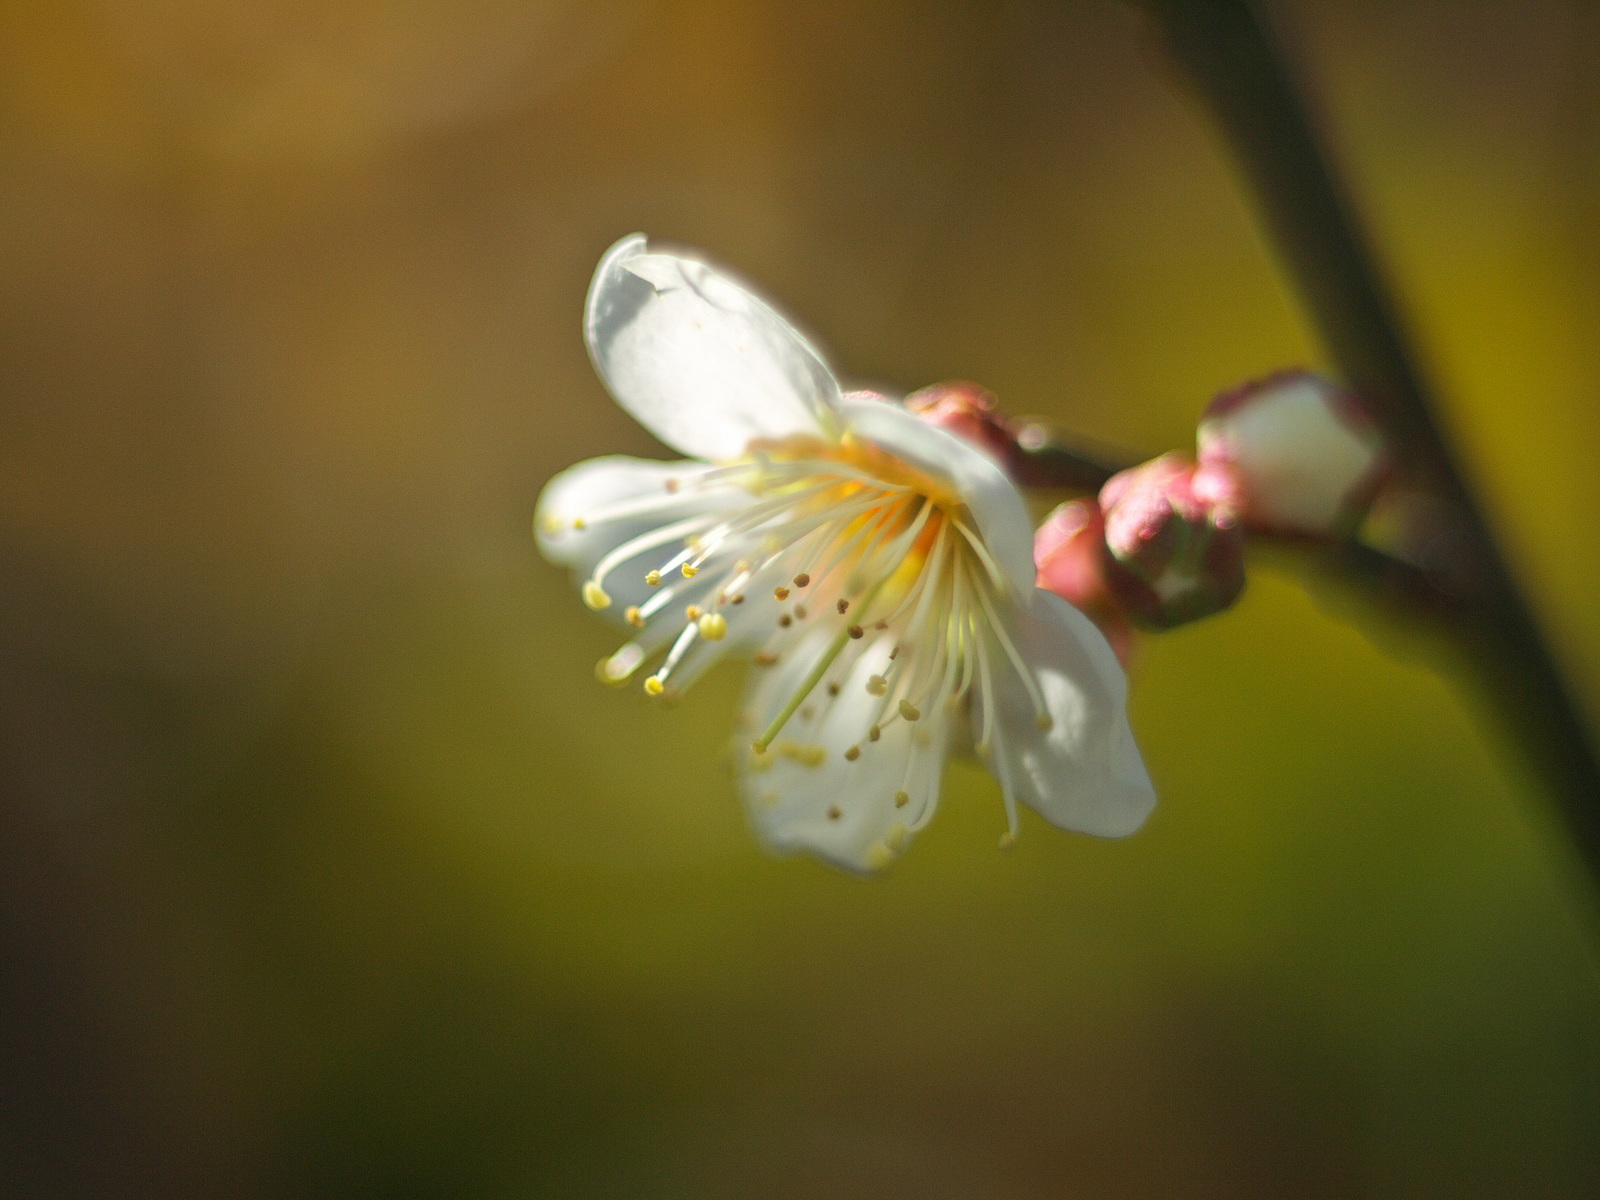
x,y
1225,52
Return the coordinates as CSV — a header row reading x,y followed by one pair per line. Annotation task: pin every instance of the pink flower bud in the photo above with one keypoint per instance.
x,y
1069,551
1174,552
968,411
1307,457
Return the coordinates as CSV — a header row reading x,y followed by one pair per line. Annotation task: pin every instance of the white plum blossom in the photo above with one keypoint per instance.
x,y
877,572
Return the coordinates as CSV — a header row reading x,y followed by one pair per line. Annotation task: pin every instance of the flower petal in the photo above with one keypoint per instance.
x,y
995,503
584,492
698,360
804,794
1083,773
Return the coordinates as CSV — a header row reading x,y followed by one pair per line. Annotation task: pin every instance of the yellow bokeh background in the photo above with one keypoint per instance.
x,y
328,868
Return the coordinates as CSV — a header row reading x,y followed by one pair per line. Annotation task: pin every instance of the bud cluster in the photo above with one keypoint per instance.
x,y
1163,543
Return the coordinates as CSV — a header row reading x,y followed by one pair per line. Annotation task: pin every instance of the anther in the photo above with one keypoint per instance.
x,y
877,685
843,606
551,523
713,627
895,837
802,579
874,734
595,596
807,754
672,485
894,654
653,578
799,612
785,620
833,689
879,855
654,686
764,658
694,612
1007,840
690,570
579,524
852,754
781,593
981,749
881,625
901,799
909,710
1044,722
833,812
856,631
632,617
739,599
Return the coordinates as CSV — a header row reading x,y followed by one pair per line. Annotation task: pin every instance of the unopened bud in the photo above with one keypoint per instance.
x,y
1173,549
1069,553
969,412
1307,457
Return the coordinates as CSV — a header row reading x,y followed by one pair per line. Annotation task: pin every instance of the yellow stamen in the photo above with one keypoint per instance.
x,y
807,754
631,615
713,627
909,710
595,596
901,799
654,686
852,754
653,578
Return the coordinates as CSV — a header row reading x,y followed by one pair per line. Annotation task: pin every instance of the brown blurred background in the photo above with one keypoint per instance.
x,y
327,869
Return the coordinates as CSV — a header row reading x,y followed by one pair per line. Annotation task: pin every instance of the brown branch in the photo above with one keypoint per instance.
x,y
1227,56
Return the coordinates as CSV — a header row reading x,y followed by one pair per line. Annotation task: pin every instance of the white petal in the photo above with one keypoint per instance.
x,y
582,491
995,503
1301,453
1085,772
790,791
699,361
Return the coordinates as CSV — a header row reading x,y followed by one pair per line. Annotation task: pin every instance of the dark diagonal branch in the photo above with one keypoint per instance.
x,y
1226,55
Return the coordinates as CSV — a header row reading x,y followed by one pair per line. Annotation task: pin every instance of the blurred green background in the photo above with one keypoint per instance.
x,y
329,870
